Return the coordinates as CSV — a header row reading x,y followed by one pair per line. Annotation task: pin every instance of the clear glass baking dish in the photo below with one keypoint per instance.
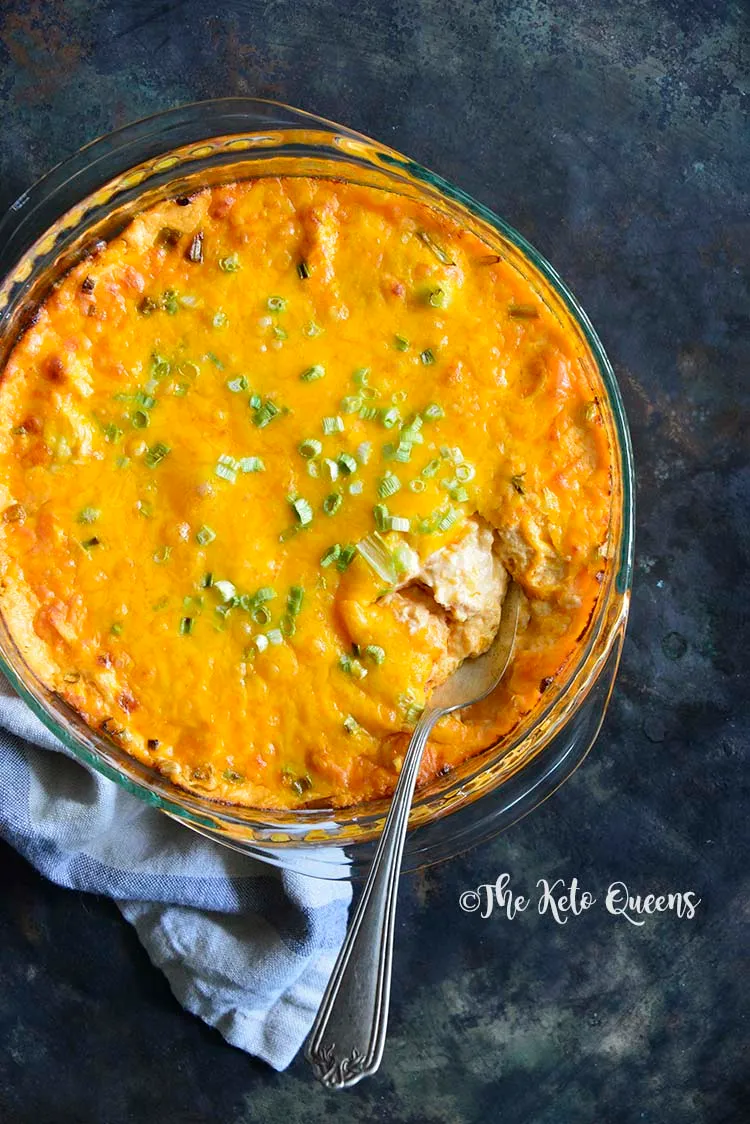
x,y
90,197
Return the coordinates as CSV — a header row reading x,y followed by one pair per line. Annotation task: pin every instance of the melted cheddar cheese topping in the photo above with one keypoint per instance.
x,y
207,417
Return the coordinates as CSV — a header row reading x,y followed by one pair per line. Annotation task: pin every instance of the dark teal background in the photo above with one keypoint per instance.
x,y
615,136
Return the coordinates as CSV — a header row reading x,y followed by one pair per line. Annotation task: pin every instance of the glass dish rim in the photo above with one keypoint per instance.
x,y
79,164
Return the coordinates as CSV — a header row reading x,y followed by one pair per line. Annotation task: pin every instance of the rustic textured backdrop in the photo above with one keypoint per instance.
x,y
615,136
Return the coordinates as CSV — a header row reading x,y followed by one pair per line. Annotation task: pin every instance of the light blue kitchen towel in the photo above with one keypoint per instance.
x,y
245,947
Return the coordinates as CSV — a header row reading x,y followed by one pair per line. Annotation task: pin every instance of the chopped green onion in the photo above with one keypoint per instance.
x,y
360,376
436,248
433,412
458,493
313,469
427,356
123,462
194,252
112,433
332,468
312,329
220,319
400,343
302,510
333,425
214,359
399,523
146,400
310,447
347,464
411,710
378,557
229,264
380,515
205,535
261,615
89,515
294,600
279,333
447,519
207,580
266,413
162,554
156,454
225,589
312,374
352,666
169,302
238,384
254,401
251,464
331,555
437,298
288,625
363,452
390,417
369,392
356,488
375,653
388,485
465,472
186,626
160,367
351,725
332,503
275,636
180,389
347,556
369,413
350,405
265,593
417,485
116,628
261,642
276,304
145,508
226,469
303,270
431,468
402,453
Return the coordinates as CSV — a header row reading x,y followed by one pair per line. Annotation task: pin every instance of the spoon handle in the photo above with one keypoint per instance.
x,y
348,1035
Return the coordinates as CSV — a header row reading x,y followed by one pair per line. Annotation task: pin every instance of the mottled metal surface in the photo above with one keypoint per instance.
x,y
612,134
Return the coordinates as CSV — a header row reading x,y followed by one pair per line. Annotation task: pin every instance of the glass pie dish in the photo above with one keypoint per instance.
x,y
90,198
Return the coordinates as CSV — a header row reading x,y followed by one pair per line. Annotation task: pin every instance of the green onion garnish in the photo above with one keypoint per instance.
x,y
390,417
400,343
436,248
279,333
229,264
447,519
186,626
331,468
207,580
89,515
333,425
351,725
380,515
251,464
275,636
303,270
347,556
369,413
363,452
433,412
261,615
265,593
160,367
226,590
220,319
162,554
146,400
350,405
312,374
276,304
238,384
356,488
310,447
360,376
352,666
402,452
458,493
427,356
398,523
255,401
265,413
205,535
116,628
347,464
332,503
302,510
312,330
313,469
378,557
417,485
437,298
465,472
375,653
288,625
331,555
431,468
169,302
226,468
261,642
156,454
112,433
388,485
294,600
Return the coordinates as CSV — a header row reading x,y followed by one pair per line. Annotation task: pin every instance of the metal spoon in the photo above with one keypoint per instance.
x,y
348,1035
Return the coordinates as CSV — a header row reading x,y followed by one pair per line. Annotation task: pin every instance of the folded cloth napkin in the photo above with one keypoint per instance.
x,y
247,948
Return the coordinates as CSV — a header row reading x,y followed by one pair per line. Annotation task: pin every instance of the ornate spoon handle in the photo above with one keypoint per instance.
x,y
348,1035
